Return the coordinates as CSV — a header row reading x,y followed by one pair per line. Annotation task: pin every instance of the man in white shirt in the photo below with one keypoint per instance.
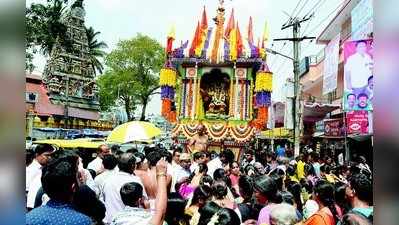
x,y
248,158
198,157
226,157
112,186
175,166
132,197
184,170
358,69
109,164
97,163
34,172
176,157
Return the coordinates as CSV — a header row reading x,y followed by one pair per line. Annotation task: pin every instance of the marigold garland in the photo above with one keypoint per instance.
x,y
241,133
247,100
172,117
262,113
167,77
167,112
251,97
263,81
190,98
166,107
260,121
242,101
232,99
184,100
167,92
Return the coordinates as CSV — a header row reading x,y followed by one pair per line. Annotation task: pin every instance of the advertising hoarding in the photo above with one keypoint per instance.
x,y
357,122
331,61
358,75
334,127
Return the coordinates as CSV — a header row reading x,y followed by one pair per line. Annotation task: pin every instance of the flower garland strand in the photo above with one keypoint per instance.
x,y
167,81
263,89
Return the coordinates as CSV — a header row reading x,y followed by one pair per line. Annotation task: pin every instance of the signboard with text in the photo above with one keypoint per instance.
x,y
320,126
304,66
333,127
357,122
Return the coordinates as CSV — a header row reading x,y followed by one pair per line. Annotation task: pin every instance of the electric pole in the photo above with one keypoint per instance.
x,y
295,23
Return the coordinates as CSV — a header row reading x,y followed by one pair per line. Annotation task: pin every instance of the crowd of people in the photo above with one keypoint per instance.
x,y
170,186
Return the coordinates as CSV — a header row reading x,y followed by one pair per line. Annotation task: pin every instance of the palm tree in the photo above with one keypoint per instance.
x,y
44,25
95,49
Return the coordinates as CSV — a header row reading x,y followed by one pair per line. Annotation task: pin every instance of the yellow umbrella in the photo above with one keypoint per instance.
x,y
133,131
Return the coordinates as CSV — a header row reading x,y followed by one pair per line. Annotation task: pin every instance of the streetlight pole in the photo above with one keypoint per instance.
x,y
295,23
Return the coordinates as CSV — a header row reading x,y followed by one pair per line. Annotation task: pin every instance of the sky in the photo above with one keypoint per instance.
x,y
123,19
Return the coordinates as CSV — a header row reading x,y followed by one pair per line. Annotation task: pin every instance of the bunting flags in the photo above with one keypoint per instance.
x,y
169,40
233,44
195,41
204,21
230,25
202,34
250,38
206,45
265,36
179,52
262,52
240,45
250,32
227,32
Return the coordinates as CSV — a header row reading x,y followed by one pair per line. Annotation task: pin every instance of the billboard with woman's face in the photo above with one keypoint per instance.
x,y
358,75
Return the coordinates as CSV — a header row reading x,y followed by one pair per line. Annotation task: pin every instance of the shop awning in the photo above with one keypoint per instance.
x,y
318,134
330,137
360,137
313,112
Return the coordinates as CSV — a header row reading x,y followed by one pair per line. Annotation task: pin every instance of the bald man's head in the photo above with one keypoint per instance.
x,y
127,162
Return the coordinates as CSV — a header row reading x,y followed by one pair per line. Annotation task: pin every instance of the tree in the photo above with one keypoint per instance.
x,y
43,26
95,49
116,88
132,74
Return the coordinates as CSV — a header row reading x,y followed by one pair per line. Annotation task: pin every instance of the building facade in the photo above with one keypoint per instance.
x,y
312,80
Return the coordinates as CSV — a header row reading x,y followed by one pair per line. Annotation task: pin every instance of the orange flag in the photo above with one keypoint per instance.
x,y
250,32
239,42
230,25
195,41
202,34
204,21
170,39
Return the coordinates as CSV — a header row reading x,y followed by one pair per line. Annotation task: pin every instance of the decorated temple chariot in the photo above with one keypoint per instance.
x,y
220,79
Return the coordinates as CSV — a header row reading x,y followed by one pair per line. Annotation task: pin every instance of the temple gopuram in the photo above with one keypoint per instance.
x,y
66,95
221,80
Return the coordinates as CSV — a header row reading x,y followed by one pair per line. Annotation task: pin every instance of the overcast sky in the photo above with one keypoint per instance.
x,y
123,19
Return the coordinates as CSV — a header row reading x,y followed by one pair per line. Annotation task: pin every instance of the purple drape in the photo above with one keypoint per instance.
x,y
167,92
263,98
